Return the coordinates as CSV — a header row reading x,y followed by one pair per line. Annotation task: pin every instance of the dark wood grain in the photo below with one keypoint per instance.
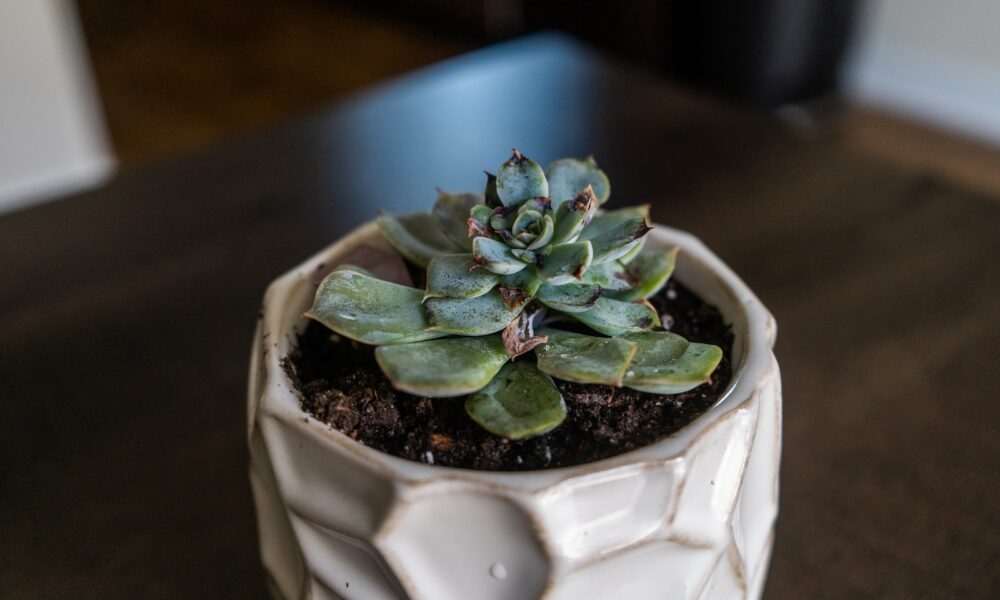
x,y
126,316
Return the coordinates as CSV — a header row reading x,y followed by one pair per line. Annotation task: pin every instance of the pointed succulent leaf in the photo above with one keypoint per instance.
x,y
650,271
539,204
569,297
511,241
566,263
492,199
475,316
666,363
452,214
349,267
573,216
478,223
568,176
452,276
613,317
495,256
520,402
606,220
610,275
416,236
585,358
519,179
443,368
503,218
525,221
619,240
370,310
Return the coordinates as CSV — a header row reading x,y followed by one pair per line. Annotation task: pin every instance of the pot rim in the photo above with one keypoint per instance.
x,y
272,393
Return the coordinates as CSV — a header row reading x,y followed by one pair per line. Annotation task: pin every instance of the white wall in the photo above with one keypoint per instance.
x,y
52,137
938,60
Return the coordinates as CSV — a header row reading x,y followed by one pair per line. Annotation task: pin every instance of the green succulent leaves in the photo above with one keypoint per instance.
x,y
481,315
666,363
452,214
658,362
469,364
370,310
519,179
569,176
455,276
584,358
614,317
520,402
535,244
495,256
417,237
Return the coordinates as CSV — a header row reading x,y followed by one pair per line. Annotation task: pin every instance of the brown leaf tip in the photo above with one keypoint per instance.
x,y
514,298
477,229
477,261
585,201
516,158
517,339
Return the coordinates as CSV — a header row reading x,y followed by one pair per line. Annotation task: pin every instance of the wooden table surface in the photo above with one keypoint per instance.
x,y
126,316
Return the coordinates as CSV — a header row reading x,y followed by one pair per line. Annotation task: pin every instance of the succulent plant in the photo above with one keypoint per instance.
x,y
504,269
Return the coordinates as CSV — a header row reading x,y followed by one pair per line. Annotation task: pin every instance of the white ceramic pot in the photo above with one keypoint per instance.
x,y
690,516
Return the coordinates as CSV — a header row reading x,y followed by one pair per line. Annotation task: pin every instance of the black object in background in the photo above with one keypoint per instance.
x,y
766,53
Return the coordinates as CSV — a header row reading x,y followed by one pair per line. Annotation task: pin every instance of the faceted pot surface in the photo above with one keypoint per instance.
x,y
690,516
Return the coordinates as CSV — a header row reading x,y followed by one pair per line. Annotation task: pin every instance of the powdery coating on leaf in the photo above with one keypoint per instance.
x,y
650,272
666,363
455,276
495,256
452,214
618,240
585,358
416,368
370,310
566,263
514,298
476,316
519,179
570,297
608,219
520,402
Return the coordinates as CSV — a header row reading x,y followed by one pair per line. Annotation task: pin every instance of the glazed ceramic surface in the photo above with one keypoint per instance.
x,y
690,516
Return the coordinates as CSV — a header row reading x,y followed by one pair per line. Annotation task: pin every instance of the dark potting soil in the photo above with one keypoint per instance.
x,y
340,384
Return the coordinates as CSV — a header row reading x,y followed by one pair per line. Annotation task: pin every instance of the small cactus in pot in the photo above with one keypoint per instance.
x,y
527,282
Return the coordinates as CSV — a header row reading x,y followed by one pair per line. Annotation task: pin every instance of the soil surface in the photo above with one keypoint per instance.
x,y
339,383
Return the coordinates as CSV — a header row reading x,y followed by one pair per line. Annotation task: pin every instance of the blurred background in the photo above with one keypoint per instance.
x,y
92,85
